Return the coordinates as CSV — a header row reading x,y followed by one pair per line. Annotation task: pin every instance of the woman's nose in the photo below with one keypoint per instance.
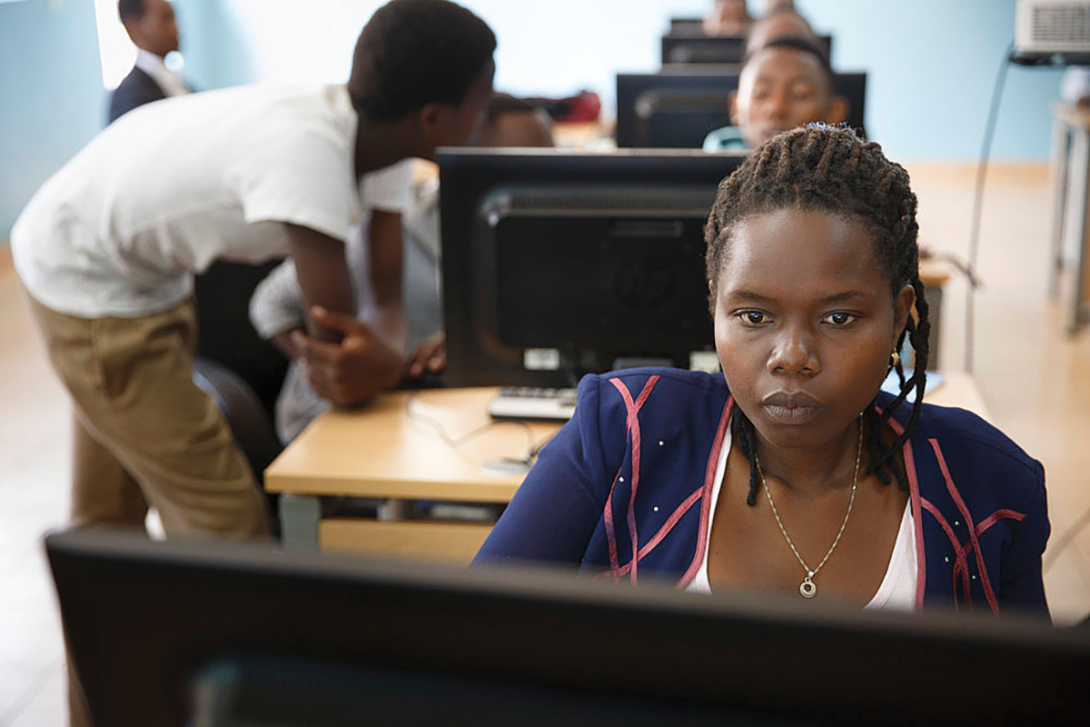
x,y
794,354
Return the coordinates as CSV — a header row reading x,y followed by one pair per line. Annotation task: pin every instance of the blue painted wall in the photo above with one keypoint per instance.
x,y
52,101
51,96
931,65
215,44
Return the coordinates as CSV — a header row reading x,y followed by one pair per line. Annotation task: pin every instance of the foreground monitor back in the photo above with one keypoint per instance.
x,y
219,634
677,107
686,46
557,264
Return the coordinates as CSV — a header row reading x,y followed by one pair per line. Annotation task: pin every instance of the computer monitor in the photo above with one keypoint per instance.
x,y
686,26
677,107
228,634
559,263
685,47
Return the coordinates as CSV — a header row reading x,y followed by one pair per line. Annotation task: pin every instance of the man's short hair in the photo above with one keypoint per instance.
x,y
130,10
801,44
416,52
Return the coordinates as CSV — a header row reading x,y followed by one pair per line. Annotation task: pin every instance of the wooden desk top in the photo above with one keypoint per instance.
x,y
959,389
393,448
382,451
934,273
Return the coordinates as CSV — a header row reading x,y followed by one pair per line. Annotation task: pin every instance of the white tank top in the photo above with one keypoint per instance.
x,y
898,589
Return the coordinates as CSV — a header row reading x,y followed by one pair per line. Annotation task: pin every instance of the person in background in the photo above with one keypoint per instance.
x,y
151,26
511,121
276,309
773,6
785,84
727,17
776,24
792,472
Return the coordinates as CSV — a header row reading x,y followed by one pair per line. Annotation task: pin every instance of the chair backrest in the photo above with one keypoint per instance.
x,y
225,334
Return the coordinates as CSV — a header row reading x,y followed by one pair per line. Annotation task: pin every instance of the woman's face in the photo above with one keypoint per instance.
x,y
804,324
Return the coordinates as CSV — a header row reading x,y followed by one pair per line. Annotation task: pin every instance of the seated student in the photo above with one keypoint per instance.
x,y
791,472
783,22
785,84
276,309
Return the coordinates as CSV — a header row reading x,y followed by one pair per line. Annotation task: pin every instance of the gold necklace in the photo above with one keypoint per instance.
x,y
808,589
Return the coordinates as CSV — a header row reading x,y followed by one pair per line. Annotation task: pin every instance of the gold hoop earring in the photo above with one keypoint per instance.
x,y
894,359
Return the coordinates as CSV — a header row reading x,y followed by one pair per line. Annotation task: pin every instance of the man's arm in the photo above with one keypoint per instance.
x,y
386,260
345,362
323,277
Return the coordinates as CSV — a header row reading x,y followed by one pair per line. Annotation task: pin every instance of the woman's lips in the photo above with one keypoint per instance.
x,y
791,407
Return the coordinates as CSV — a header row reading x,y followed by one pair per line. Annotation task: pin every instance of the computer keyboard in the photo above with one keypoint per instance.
x,y
526,402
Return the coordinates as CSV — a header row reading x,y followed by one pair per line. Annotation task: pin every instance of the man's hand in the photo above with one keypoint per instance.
x,y
430,356
352,371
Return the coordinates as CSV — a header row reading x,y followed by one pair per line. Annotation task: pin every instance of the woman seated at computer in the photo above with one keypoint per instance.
x,y
791,472
785,84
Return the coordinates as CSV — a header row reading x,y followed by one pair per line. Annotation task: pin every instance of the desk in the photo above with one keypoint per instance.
x,y
584,134
1071,197
393,449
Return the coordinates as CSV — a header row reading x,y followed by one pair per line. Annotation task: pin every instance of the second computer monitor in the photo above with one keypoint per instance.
x,y
676,108
557,264
687,47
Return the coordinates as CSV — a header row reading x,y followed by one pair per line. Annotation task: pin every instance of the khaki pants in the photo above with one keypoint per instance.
x,y
144,433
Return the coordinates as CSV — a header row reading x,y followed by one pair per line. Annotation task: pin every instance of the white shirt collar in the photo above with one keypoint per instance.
x,y
166,79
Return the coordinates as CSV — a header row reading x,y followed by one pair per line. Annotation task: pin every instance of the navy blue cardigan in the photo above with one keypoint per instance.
x,y
633,471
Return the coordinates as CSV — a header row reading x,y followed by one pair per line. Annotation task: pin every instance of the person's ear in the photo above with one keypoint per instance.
x,y
838,110
733,104
430,121
133,30
429,118
906,302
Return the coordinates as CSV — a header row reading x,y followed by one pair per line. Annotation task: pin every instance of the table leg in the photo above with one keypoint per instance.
x,y
1081,291
391,510
933,294
299,516
1061,151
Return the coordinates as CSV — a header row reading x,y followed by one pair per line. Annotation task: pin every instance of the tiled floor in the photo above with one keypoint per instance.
x,y
33,475
1034,379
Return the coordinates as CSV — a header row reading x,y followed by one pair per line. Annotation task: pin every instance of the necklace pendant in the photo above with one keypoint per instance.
x,y
808,589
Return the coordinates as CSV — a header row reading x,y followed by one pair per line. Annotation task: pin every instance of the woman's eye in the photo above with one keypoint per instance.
x,y
754,317
839,319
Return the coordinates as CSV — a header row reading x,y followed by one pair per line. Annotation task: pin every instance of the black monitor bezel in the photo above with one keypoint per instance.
x,y
141,616
468,176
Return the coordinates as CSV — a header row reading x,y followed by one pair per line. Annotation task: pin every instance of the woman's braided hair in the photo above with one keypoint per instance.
x,y
830,169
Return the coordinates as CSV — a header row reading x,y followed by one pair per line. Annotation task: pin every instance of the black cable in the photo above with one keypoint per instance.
x,y
982,170
540,444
